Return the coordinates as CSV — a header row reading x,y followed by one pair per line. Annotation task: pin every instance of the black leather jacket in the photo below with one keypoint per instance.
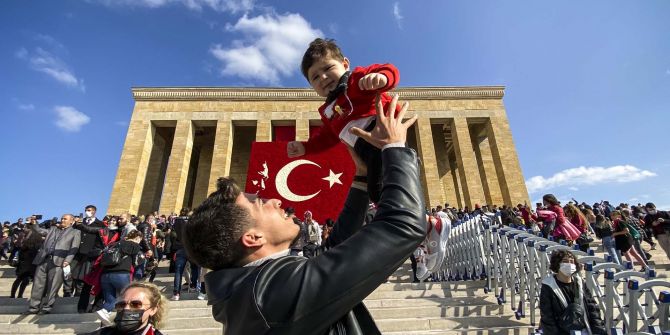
x,y
324,294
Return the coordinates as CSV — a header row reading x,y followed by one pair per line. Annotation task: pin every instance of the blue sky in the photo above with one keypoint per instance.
x,y
588,82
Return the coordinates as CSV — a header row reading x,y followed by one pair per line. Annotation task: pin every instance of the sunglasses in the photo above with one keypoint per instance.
x,y
133,304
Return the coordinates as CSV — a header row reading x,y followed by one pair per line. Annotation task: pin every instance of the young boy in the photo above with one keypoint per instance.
x,y
350,102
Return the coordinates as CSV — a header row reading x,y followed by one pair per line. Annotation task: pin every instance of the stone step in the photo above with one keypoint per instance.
x,y
487,331
451,324
173,322
69,305
433,292
480,300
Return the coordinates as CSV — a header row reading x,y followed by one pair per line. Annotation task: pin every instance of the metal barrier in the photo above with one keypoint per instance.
x,y
514,261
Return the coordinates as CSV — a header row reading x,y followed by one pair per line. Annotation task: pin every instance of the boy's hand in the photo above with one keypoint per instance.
x,y
295,149
372,81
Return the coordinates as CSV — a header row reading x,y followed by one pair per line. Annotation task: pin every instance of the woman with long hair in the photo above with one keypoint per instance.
x,y
564,229
140,309
578,220
604,231
624,240
25,269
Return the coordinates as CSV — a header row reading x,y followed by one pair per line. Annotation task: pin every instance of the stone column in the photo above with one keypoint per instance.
x,y
264,128
301,129
506,161
487,171
221,154
172,199
127,189
433,188
456,176
202,175
443,167
467,163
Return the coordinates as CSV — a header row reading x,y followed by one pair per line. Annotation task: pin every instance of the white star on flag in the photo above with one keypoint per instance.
x,y
333,178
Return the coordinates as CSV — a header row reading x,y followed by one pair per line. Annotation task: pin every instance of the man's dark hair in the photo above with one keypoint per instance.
x,y
650,205
558,256
184,211
318,49
91,206
212,235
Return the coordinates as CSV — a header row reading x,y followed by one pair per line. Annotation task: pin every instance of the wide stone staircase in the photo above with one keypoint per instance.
x,y
398,306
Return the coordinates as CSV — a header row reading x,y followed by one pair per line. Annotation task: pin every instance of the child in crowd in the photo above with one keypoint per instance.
x,y
351,98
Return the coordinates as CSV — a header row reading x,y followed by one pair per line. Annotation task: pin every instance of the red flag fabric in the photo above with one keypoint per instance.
x,y
315,182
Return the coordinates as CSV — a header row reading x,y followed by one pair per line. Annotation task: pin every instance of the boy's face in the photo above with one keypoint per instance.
x,y
325,74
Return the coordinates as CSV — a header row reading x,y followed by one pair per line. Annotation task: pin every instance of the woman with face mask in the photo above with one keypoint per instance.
x,y
140,309
566,304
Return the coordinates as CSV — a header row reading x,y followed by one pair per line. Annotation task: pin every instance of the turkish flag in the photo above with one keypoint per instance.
x,y
315,182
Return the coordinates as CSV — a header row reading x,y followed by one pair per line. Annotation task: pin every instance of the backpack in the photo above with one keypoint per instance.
x,y
112,256
312,233
634,233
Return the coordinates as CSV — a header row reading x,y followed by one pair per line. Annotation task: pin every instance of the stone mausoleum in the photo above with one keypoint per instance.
x,y
181,139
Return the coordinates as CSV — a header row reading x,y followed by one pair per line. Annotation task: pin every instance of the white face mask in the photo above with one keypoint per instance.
x,y
89,214
568,269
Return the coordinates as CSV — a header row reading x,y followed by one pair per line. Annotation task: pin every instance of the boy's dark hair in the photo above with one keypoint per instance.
x,y
91,206
212,235
556,258
320,48
134,234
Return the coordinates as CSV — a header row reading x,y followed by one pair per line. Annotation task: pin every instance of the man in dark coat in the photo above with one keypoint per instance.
x,y
89,249
256,287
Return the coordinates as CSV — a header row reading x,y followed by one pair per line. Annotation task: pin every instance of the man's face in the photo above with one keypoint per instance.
x,y
90,211
270,218
325,73
66,221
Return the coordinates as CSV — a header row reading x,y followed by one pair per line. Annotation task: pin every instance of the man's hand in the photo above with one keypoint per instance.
x,y
389,128
65,264
372,81
295,149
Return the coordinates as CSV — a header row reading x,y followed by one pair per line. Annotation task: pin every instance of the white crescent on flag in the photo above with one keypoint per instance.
x,y
281,181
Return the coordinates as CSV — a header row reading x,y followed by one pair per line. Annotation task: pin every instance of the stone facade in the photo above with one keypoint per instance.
x,y
180,140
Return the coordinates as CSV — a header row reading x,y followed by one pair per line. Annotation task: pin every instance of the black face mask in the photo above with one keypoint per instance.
x,y
128,320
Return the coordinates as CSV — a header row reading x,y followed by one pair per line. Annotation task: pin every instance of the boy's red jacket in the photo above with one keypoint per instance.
x,y
352,104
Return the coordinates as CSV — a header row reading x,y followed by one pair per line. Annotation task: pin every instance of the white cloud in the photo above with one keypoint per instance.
x,y
588,176
70,119
26,107
572,188
232,6
46,62
397,15
272,48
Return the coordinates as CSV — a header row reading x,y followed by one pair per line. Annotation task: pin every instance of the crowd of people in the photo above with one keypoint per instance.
x,y
97,261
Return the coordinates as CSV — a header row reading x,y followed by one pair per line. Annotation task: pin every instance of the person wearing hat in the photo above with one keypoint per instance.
x,y
659,222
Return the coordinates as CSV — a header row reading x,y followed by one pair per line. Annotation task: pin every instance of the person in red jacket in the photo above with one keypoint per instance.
x,y
350,107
